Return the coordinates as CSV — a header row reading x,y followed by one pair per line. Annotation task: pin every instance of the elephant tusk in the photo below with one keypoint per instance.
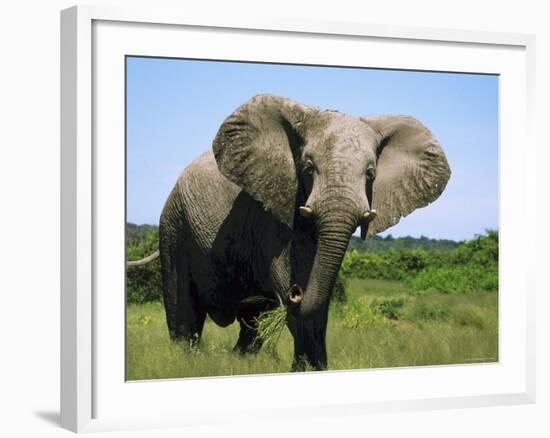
x,y
306,211
368,216
296,294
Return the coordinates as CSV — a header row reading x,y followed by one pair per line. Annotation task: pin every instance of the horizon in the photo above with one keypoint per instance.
x,y
175,106
388,235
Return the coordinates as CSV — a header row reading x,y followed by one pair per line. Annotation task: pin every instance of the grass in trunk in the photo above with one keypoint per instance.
x,y
270,325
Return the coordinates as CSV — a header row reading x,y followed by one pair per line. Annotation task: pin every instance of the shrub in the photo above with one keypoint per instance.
x,y
355,314
143,283
454,279
390,308
472,265
365,265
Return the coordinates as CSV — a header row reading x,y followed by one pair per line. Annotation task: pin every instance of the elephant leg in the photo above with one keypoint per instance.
x,y
309,341
184,315
190,316
247,342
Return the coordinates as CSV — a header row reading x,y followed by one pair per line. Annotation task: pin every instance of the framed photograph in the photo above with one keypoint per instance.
x,y
269,217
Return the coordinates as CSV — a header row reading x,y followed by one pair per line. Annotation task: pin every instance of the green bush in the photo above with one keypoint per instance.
x,y
454,279
390,265
355,314
390,308
143,283
365,265
472,265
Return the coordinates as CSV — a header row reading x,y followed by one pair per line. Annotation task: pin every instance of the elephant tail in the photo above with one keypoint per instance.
x,y
144,260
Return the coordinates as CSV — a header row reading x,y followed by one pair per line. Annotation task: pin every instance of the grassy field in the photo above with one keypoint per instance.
x,y
382,324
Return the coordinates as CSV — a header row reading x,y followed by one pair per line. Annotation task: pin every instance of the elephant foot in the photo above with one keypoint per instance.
x,y
190,341
302,364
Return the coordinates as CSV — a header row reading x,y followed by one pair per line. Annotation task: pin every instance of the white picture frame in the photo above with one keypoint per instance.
x,y
93,396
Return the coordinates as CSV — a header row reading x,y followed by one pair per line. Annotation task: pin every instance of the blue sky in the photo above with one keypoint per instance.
x,y
175,107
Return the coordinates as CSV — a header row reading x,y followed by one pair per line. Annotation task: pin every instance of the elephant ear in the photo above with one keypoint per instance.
x,y
412,170
256,148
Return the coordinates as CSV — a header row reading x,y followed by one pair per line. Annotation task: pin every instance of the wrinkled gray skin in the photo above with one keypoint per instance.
x,y
232,241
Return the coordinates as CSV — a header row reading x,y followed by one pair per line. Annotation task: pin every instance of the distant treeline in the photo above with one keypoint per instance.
x,y
436,265
380,244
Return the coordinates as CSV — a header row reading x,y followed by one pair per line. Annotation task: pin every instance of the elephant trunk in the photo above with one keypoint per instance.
x,y
336,226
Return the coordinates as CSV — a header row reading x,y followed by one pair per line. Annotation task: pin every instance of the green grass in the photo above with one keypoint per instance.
x,y
356,286
382,324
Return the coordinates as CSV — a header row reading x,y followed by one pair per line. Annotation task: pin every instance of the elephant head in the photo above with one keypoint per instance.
x,y
336,171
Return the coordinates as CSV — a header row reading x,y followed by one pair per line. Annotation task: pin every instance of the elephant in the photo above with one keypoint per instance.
x,y
263,219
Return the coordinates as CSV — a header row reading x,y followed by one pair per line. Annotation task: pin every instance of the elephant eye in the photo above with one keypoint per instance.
x,y
308,168
371,174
